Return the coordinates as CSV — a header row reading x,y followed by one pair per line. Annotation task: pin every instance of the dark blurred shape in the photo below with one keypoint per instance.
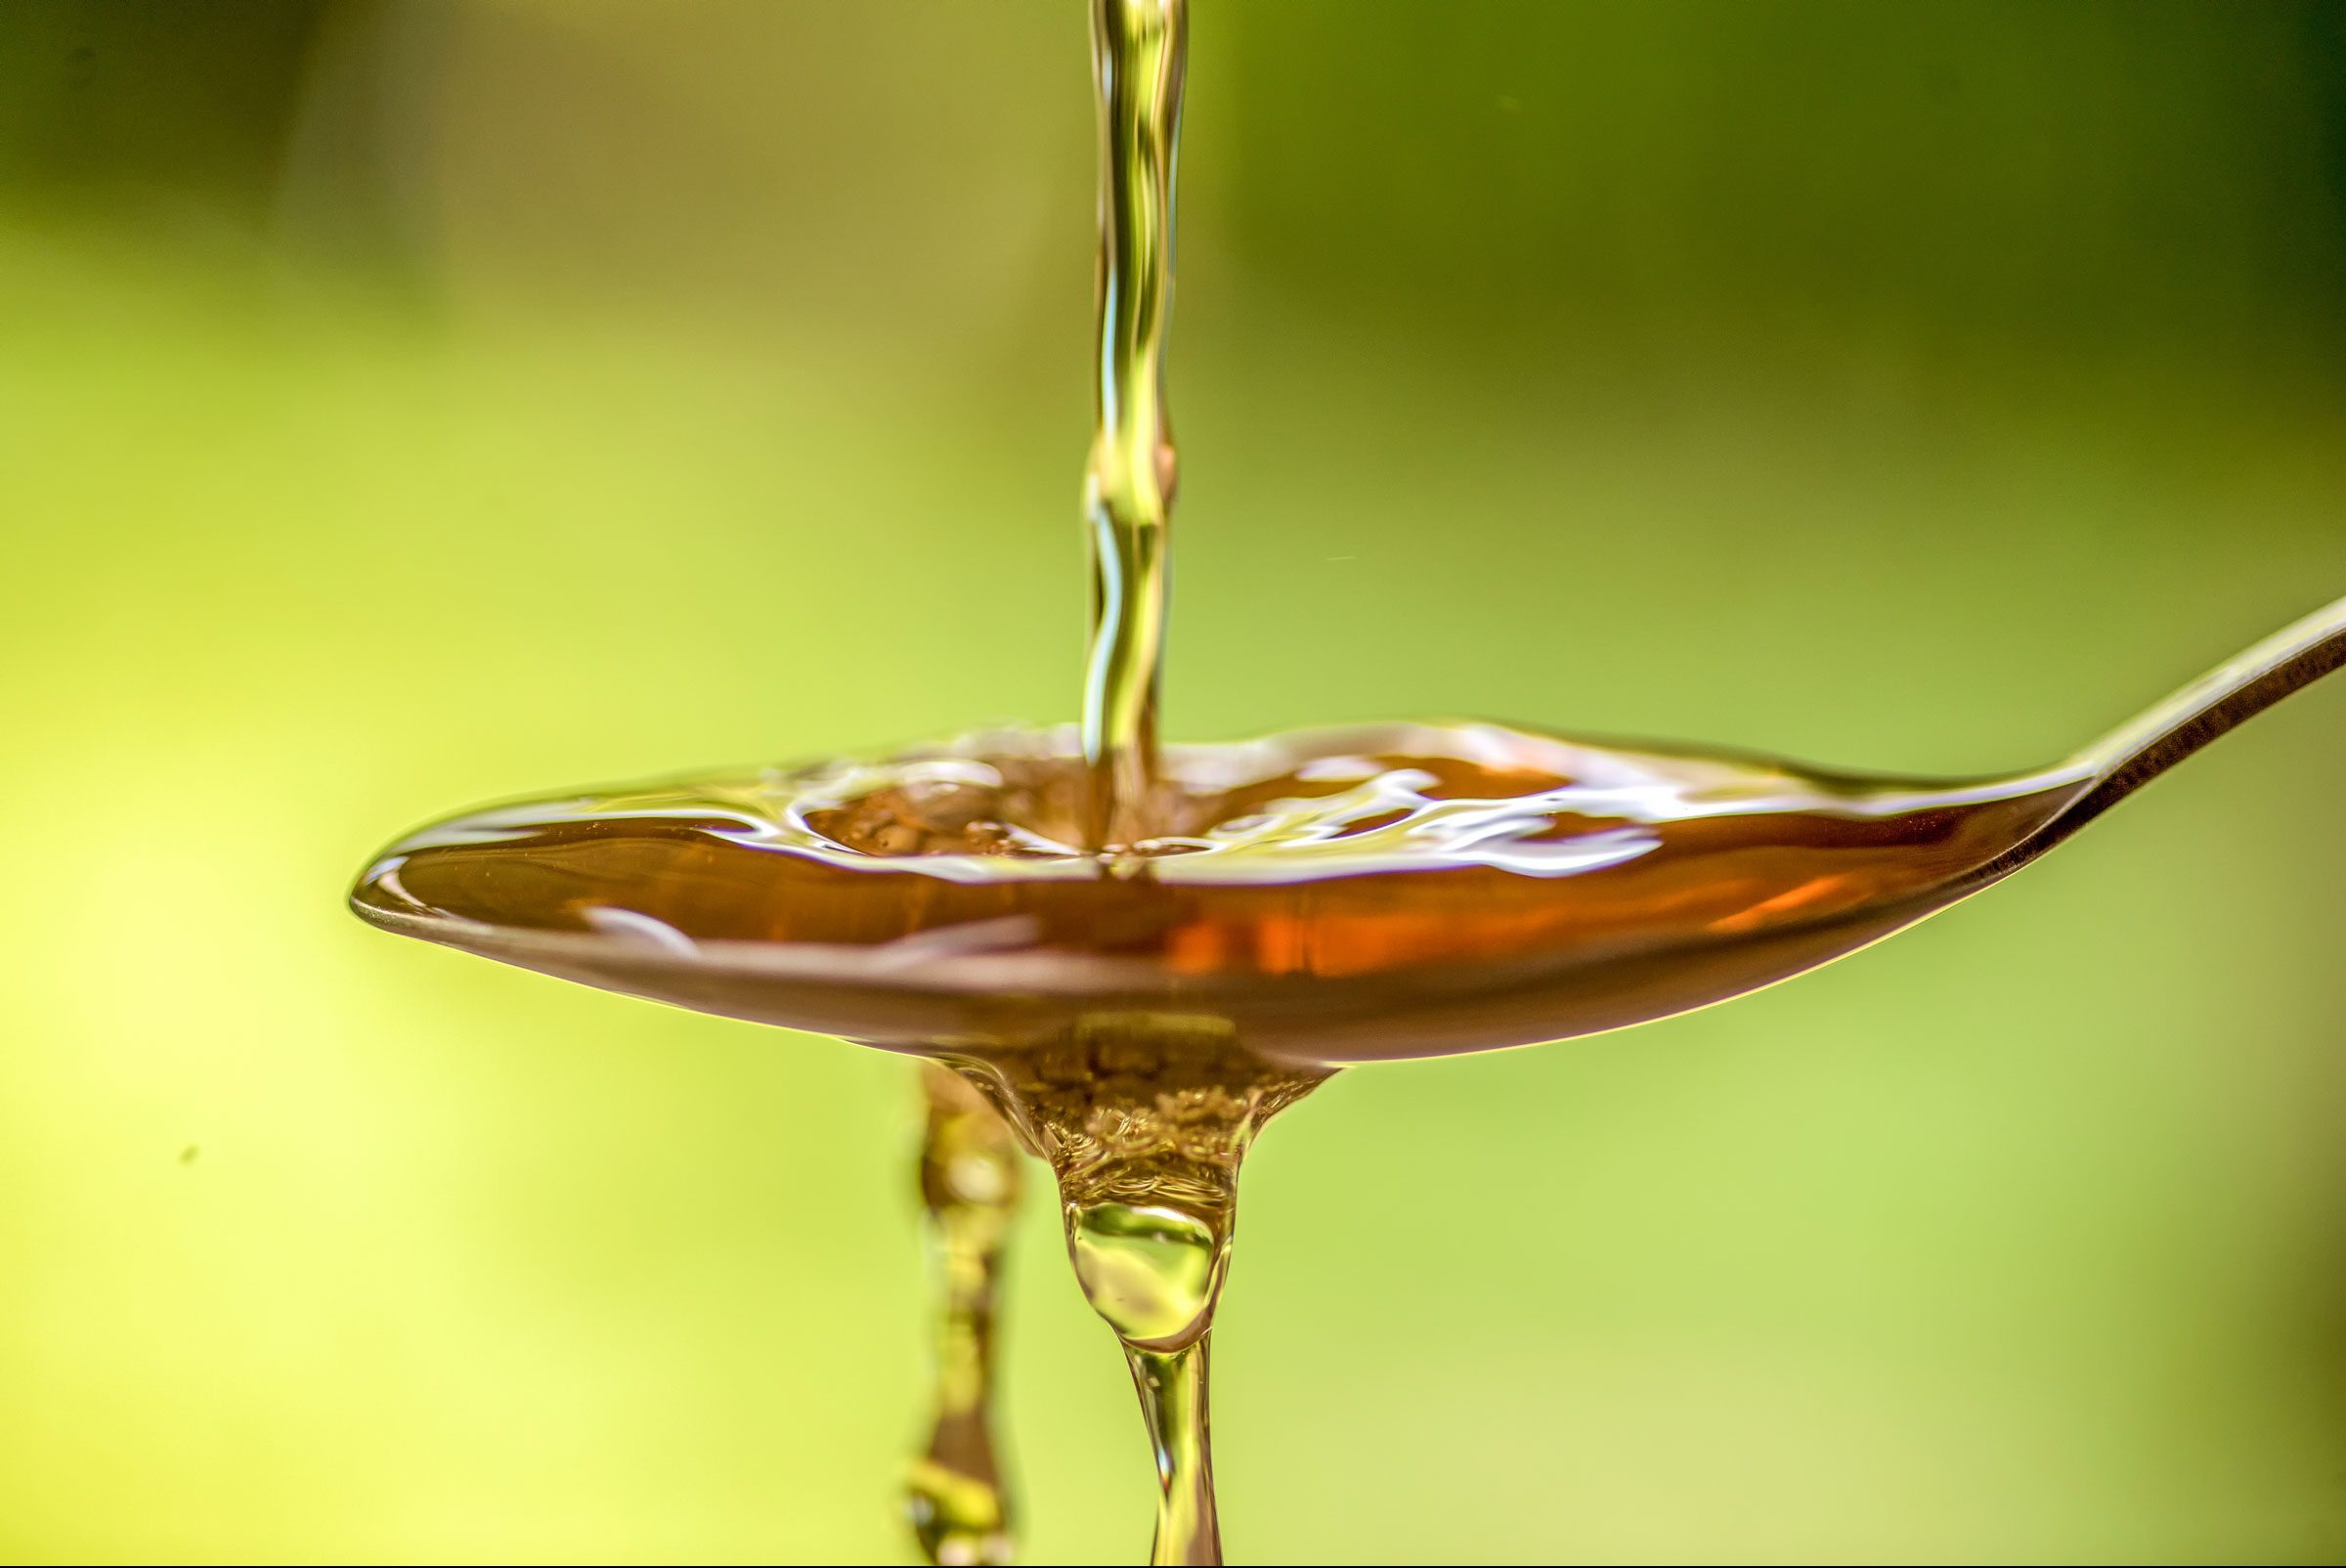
x,y
2324,55
204,117
107,106
1669,173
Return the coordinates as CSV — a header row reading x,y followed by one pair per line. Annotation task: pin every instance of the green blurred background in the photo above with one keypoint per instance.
x,y
402,405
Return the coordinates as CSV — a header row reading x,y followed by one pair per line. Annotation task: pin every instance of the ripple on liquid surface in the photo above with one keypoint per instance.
x,y
1528,885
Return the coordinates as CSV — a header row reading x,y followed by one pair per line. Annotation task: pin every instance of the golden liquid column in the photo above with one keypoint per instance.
x,y
1138,49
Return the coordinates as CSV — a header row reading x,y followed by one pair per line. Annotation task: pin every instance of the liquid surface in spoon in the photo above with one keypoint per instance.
x,y
1333,896
1329,896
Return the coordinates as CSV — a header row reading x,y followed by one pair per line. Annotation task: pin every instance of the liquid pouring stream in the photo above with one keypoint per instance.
x,y
1139,50
1138,954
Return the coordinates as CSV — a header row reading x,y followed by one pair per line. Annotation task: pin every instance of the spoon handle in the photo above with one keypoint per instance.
x,y
2233,692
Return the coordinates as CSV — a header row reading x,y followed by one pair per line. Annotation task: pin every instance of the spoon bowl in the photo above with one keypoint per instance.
x,y
1329,896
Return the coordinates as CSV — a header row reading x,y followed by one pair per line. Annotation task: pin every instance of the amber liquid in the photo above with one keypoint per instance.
x,y
1139,1011
1138,955
1329,897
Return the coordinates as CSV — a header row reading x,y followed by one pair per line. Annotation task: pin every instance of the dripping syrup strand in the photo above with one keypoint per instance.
x,y
1154,1272
1138,49
1172,1385
956,1499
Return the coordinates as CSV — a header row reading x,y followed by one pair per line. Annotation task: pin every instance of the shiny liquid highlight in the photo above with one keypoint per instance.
x,y
1126,957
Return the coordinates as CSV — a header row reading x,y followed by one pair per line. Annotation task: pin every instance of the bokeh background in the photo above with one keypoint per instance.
x,y
402,405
